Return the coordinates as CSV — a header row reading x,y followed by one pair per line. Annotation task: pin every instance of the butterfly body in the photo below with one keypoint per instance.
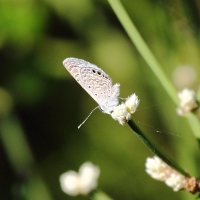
x,y
95,81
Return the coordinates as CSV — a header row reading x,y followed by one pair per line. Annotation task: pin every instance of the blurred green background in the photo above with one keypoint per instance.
x,y
41,105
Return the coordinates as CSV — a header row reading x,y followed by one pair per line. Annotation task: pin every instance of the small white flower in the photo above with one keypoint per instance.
x,y
88,174
176,181
121,114
70,183
187,102
74,183
159,170
132,103
156,168
184,76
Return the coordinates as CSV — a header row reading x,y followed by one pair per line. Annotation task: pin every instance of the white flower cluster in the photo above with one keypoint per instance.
x,y
159,170
187,102
122,113
85,181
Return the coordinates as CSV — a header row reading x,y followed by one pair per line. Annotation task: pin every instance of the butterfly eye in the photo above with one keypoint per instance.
x,y
93,71
99,73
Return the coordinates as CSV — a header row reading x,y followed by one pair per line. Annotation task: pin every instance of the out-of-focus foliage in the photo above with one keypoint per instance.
x,y
41,105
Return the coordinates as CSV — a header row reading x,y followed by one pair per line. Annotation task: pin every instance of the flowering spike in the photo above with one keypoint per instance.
x,y
159,170
187,102
122,113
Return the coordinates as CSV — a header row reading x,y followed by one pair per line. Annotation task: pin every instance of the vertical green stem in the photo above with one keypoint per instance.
x,y
151,60
99,195
21,159
142,47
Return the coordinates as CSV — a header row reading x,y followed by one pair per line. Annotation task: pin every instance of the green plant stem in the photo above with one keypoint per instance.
x,y
151,60
142,47
194,124
99,195
21,159
154,149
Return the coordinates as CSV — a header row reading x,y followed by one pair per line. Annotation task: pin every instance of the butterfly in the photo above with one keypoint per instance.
x,y
95,82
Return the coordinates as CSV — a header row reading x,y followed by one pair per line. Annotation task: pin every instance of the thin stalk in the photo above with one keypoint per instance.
x,y
21,159
150,59
155,149
99,195
143,48
194,124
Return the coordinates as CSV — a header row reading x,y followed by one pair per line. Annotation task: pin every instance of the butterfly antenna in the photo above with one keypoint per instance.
x,y
87,117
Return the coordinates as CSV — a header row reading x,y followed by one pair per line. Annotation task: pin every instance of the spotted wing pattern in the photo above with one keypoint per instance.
x,y
95,81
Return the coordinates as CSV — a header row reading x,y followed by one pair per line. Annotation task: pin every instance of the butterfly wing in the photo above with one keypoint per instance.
x,y
95,81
